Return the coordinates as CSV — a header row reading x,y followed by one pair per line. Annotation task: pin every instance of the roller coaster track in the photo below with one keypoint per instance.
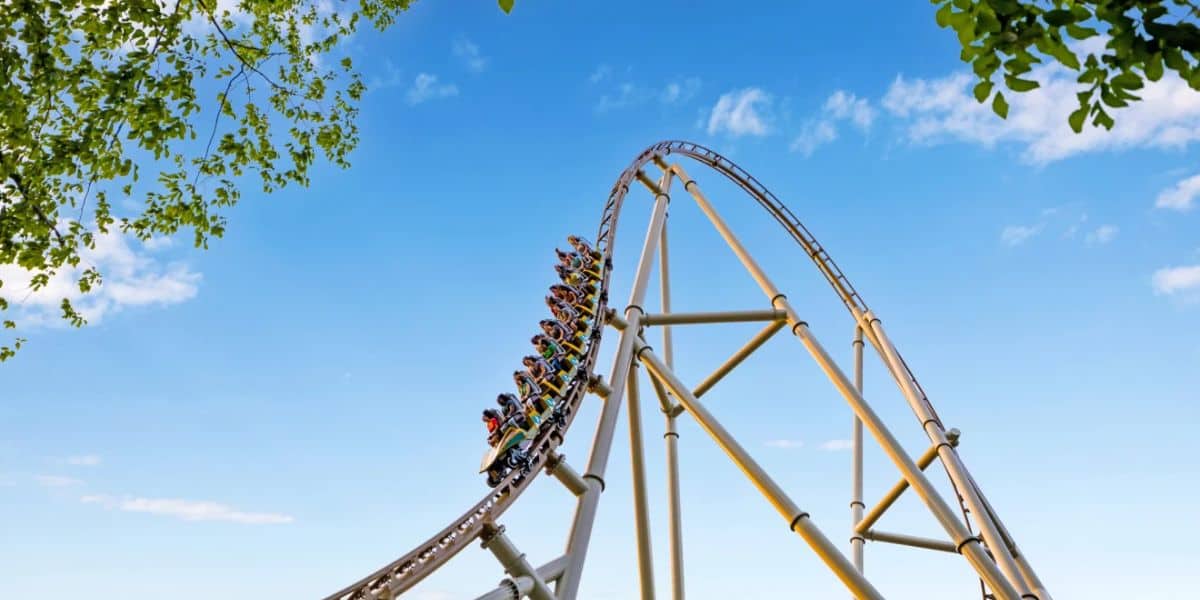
x,y
1004,571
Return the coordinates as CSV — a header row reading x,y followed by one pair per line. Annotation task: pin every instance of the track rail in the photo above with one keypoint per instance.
x,y
406,571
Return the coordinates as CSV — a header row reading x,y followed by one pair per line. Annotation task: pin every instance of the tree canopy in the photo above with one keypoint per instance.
x,y
102,104
1144,39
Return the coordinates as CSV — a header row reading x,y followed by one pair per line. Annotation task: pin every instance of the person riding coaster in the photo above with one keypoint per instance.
x,y
562,358
567,315
564,336
583,248
546,375
531,392
578,300
492,418
576,262
575,279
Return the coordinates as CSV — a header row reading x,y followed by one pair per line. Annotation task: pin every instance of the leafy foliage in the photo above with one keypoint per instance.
x,y
100,110
1144,38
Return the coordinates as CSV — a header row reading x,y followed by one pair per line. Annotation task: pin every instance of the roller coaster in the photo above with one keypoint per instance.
x,y
972,526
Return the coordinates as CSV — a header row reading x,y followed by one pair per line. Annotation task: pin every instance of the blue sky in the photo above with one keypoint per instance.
x,y
299,405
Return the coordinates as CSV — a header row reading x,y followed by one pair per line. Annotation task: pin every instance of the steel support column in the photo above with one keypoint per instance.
x,y
641,508
585,512
671,437
969,545
856,460
799,520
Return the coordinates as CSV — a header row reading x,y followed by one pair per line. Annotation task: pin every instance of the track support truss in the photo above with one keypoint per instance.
x,y
971,526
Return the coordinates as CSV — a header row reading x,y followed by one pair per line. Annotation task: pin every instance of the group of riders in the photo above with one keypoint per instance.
x,y
560,346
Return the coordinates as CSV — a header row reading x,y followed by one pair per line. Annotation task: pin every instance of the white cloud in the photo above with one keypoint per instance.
x,y
813,135
56,481
130,278
680,91
784,444
426,87
836,445
1182,197
822,129
1172,280
741,112
846,106
84,460
937,110
468,53
1014,235
1102,234
187,510
627,93
599,74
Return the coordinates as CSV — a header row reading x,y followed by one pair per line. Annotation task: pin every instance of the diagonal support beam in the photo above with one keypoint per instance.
x,y
754,344
799,520
893,494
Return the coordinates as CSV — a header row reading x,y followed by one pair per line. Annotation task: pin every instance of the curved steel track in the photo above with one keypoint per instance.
x,y
406,571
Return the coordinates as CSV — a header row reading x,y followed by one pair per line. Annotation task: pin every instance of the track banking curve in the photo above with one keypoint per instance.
x,y
406,571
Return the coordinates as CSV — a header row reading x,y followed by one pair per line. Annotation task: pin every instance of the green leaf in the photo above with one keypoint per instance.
x,y
1000,106
1081,33
1077,118
1058,18
1019,85
1154,67
942,16
1102,119
1129,81
506,5
983,89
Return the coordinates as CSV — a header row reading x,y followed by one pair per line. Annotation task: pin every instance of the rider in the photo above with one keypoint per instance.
x,y
582,247
529,390
562,334
513,409
543,372
578,262
555,355
575,279
567,315
492,418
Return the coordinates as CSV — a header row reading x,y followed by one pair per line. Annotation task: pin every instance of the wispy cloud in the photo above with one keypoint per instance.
x,y
784,444
131,278
1180,197
187,510
836,445
600,74
1170,281
944,109
812,135
822,129
629,93
1015,235
741,112
83,460
56,481
467,52
679,91
1102,234
427,87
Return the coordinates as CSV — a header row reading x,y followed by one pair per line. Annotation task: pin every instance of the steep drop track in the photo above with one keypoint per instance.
x,y
406,571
